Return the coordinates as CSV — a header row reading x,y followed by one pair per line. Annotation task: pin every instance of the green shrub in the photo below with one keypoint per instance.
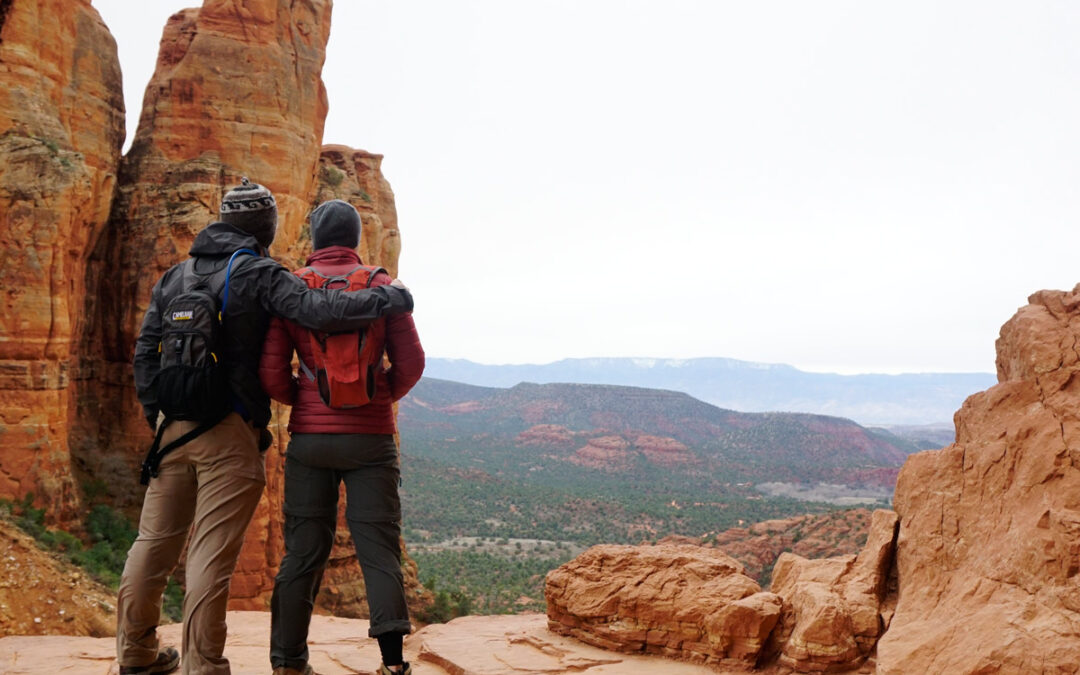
x,y
112,535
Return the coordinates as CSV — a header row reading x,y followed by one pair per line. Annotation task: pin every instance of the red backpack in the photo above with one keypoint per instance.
x,y
345,363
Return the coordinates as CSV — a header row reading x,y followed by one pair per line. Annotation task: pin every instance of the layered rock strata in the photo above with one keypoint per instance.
x,y
61,130
676,600
988,554
356,177
236,91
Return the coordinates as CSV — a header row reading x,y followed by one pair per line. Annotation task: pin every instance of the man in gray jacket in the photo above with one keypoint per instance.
x,y
210,485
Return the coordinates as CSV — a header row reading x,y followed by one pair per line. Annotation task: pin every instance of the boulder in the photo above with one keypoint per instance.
x,y
832,612
677,600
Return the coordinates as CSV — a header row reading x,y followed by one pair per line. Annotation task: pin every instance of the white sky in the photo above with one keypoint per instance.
x,y
843,186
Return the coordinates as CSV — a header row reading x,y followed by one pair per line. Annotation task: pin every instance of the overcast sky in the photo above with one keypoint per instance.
x,y
840,186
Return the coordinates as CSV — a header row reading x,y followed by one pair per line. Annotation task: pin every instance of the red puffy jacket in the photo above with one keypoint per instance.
x,y
309,414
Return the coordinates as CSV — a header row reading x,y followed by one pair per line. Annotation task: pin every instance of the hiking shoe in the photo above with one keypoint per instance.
x,y
383,670
285,670
167,660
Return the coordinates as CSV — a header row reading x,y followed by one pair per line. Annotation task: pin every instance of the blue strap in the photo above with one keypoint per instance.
x,y
228,273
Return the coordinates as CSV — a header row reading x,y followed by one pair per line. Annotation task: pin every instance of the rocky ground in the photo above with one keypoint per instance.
x,y
41,594
478,645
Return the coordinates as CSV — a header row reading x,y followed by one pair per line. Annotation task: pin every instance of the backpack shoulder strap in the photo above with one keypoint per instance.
x,y
228,275
372,271
188,278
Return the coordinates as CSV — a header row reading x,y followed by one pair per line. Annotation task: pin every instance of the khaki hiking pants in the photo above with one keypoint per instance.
x,y
209,486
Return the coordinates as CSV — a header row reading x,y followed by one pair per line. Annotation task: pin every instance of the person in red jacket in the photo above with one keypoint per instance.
x,y
329,446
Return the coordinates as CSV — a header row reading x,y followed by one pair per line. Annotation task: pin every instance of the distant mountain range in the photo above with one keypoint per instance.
x,y
908,399
566,431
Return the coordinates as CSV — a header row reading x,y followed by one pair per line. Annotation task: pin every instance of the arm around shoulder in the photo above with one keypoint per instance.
x,y
287,296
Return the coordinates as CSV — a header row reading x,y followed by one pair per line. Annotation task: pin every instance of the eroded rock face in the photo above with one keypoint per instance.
x,y
832,612
676,600
236,92
61,130
356,177
989,544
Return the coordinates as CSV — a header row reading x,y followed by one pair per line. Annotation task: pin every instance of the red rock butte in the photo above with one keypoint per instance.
x,y
237,91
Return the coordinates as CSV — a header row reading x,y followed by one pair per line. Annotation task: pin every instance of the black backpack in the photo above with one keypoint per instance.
x,y
192,383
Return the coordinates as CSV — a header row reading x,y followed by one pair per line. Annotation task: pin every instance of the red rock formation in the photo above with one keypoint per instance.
x,y
988,554
546,436
811,536
604,453
61,130
236,91
663,450
356,177
683,601
833,607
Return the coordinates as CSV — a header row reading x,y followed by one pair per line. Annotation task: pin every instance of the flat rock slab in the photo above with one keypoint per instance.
x,y
474,645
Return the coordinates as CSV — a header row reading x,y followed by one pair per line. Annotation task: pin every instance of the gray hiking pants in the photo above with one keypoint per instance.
x,y
315,465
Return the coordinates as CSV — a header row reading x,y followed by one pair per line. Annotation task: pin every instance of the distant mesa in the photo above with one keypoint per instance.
x,y
745,386
616,429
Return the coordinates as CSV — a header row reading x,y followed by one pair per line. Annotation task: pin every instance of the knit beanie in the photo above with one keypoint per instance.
x,y
251,208
335,223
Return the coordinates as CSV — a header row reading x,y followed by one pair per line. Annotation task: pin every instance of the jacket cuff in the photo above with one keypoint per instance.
x,y
401,300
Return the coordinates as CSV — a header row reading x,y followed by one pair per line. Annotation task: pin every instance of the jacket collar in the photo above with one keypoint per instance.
x,y
334,254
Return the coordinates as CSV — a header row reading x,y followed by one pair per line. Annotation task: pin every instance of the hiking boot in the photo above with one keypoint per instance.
x,y
383,670
285,670
167,660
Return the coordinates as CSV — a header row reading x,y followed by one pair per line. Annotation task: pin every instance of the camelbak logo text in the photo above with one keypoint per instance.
x,y
182,316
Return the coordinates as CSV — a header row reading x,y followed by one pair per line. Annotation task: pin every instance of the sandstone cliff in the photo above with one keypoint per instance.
x,y
989,545
61,130
236,91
